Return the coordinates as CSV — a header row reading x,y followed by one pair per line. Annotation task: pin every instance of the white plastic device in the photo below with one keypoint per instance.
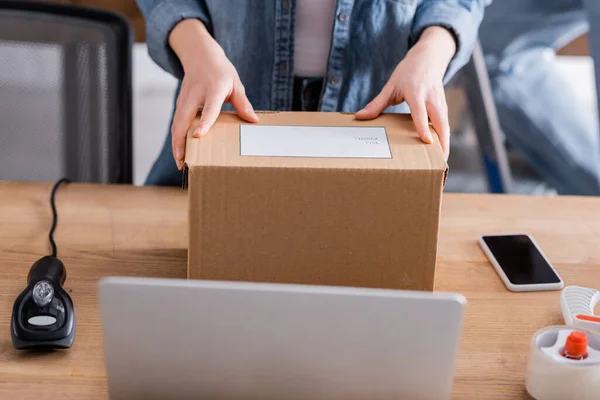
x,y
526,287
577,304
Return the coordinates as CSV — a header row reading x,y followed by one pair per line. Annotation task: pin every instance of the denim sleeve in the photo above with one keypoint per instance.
x,y
461,17
161,17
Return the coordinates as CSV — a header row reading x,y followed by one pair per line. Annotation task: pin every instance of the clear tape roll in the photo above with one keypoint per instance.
x,y
550,376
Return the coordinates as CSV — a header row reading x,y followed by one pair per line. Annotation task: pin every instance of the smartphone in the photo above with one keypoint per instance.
x,y
520,262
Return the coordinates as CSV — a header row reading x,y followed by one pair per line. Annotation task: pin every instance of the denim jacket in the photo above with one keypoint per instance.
x,y
370,38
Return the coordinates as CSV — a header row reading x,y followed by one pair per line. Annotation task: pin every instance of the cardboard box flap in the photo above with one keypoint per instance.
x,y
314,140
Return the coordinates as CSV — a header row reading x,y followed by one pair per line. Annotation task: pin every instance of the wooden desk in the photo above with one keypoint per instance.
x,y
142,232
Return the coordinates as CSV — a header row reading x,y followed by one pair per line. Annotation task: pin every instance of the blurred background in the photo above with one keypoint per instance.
x,y
482,160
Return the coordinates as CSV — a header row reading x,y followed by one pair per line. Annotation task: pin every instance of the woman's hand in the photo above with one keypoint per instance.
x,y
209,81
418,80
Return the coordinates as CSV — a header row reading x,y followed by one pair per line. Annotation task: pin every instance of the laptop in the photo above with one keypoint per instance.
x,y
192,339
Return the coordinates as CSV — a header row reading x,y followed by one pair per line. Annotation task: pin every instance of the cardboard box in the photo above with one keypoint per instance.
x,y
314,198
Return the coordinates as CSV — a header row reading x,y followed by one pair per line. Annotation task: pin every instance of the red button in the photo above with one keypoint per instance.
x,y
576,345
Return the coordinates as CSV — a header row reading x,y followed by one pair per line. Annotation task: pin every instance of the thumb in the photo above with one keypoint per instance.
x,y
376,106
241,103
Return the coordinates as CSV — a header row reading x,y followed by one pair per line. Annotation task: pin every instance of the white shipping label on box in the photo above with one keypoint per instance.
x,y
314,141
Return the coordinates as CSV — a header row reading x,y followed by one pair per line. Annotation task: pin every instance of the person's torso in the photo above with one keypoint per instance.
x,y
368,39
313,27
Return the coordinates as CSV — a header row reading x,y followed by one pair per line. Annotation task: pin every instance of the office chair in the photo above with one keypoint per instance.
x,y
506,169
490,137
65,93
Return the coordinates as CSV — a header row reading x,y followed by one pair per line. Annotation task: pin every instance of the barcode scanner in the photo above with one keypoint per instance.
x,y
43,316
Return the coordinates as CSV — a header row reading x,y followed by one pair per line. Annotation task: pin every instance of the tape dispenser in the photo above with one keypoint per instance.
x,y
564,361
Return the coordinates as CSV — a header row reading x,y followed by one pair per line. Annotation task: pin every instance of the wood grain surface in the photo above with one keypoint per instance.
x,y
129,231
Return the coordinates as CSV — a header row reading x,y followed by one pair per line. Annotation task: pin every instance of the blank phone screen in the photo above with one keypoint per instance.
x,y
520,260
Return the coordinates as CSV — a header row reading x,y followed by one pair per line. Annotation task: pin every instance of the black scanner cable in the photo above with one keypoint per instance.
x,y
54,215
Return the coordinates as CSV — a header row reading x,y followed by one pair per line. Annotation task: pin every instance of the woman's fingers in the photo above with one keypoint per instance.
x,y
214,103
377,105
210,111
242,105
418,112
438,114
421,110
185,112
210,80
